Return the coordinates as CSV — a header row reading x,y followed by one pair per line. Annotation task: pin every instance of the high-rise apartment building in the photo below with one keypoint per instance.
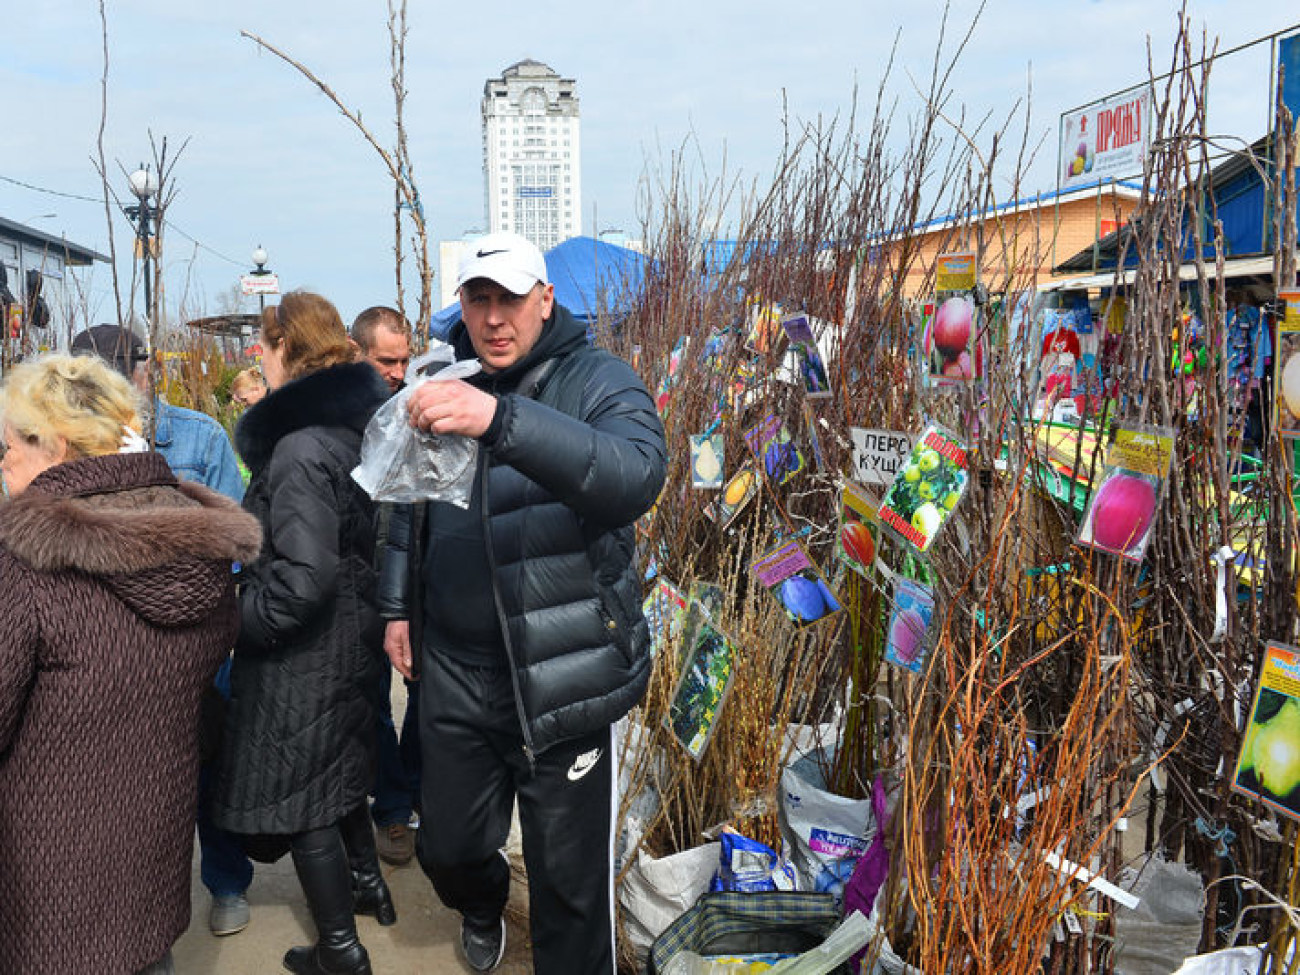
x,y
532,179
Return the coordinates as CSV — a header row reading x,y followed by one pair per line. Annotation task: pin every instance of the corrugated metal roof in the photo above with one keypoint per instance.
x,y
74,254
1235,268
1039,201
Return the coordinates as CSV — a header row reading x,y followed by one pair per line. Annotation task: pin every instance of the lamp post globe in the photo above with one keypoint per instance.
x,y
260,259
144,184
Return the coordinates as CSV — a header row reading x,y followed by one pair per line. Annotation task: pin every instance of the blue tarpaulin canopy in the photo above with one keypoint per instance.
x,y
590,277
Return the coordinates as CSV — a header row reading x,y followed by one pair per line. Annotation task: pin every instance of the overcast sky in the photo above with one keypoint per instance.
x,y
269,160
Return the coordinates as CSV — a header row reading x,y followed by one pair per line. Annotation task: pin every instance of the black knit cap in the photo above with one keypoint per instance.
x,y
119,347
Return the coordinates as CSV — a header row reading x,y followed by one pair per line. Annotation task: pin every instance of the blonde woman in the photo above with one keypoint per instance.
x,y
248,387
116,607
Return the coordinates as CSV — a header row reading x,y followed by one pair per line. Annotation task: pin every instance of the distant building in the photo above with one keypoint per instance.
x,y
1020,242
450,253
621,238
532,180
42,304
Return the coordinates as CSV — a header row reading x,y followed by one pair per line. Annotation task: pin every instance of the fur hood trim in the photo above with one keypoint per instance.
x,y
80,516
345,396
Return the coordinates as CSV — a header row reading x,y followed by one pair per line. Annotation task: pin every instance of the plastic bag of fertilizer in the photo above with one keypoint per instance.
x,y
826,833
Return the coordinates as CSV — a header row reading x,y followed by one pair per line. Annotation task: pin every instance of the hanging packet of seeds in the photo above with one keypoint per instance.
x,y
735,497
925,492
1287,363
664,393
764,331
664,610
859,535
775,450
706,461
814,439
1122,509
1268,766
702,688
808,362
796,583
909,625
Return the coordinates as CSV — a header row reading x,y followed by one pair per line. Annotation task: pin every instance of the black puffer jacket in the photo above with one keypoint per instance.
x,y
299,731
576,454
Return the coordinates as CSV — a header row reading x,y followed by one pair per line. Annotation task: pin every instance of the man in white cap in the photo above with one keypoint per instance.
x,y
524,612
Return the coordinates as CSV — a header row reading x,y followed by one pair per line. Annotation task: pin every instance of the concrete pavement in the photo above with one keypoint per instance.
x,y
424,941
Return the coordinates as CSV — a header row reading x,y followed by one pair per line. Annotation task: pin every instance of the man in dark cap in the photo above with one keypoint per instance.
x,y
195,445
117,346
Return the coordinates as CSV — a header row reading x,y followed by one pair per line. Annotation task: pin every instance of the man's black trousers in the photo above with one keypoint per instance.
x,y
474,768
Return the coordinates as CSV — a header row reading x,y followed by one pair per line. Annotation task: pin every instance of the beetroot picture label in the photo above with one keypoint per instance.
x,y
1123,506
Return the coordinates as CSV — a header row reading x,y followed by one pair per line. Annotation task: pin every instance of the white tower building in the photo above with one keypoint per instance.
x,y
532,178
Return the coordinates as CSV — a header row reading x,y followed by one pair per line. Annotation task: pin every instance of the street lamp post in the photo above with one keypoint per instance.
x,y
144,185
259,258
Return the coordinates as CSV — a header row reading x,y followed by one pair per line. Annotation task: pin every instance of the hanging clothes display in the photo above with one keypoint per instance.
x,y
1249,356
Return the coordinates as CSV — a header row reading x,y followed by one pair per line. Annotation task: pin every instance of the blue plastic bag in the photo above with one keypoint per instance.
x,y
747,865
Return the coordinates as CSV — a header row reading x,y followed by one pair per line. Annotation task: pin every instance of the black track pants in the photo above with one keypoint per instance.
x,y
474,768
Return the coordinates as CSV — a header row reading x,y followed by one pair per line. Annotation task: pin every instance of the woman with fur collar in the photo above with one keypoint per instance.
x,y
117,605
297,761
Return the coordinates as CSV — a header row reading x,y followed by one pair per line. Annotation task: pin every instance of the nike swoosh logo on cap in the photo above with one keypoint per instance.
x,y
499,250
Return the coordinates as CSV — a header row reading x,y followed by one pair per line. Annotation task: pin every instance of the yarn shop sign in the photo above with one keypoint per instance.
x,y
1107,140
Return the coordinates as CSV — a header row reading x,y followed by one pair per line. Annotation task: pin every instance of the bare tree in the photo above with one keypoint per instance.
x,y
101,165
396,159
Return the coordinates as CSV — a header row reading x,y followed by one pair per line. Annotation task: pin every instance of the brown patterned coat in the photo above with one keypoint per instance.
x,y
116,607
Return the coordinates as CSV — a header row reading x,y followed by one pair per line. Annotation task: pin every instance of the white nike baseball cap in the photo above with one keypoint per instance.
x,y
511,261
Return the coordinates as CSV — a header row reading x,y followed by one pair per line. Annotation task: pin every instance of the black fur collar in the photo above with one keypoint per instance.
x,y
345,395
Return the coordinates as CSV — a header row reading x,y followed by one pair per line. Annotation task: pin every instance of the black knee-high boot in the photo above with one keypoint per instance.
x,y
322,866
370,894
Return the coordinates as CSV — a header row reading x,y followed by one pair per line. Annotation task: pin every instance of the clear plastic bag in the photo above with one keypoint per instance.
x,y
400,463
840,945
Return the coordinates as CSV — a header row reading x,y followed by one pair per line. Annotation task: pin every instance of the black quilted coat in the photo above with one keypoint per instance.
x,y
575,455
298,747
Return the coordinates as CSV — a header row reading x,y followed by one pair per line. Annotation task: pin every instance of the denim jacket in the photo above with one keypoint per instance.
x,y
196,448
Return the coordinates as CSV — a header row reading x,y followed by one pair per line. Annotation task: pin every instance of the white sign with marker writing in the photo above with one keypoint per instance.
x,y
878,455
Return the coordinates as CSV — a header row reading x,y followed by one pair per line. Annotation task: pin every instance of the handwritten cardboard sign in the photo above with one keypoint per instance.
x,y
878,455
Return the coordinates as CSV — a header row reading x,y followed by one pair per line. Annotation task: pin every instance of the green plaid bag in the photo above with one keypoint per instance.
x,y
742,923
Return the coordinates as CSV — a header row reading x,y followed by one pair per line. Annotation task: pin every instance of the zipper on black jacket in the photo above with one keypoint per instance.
x,y
501,614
